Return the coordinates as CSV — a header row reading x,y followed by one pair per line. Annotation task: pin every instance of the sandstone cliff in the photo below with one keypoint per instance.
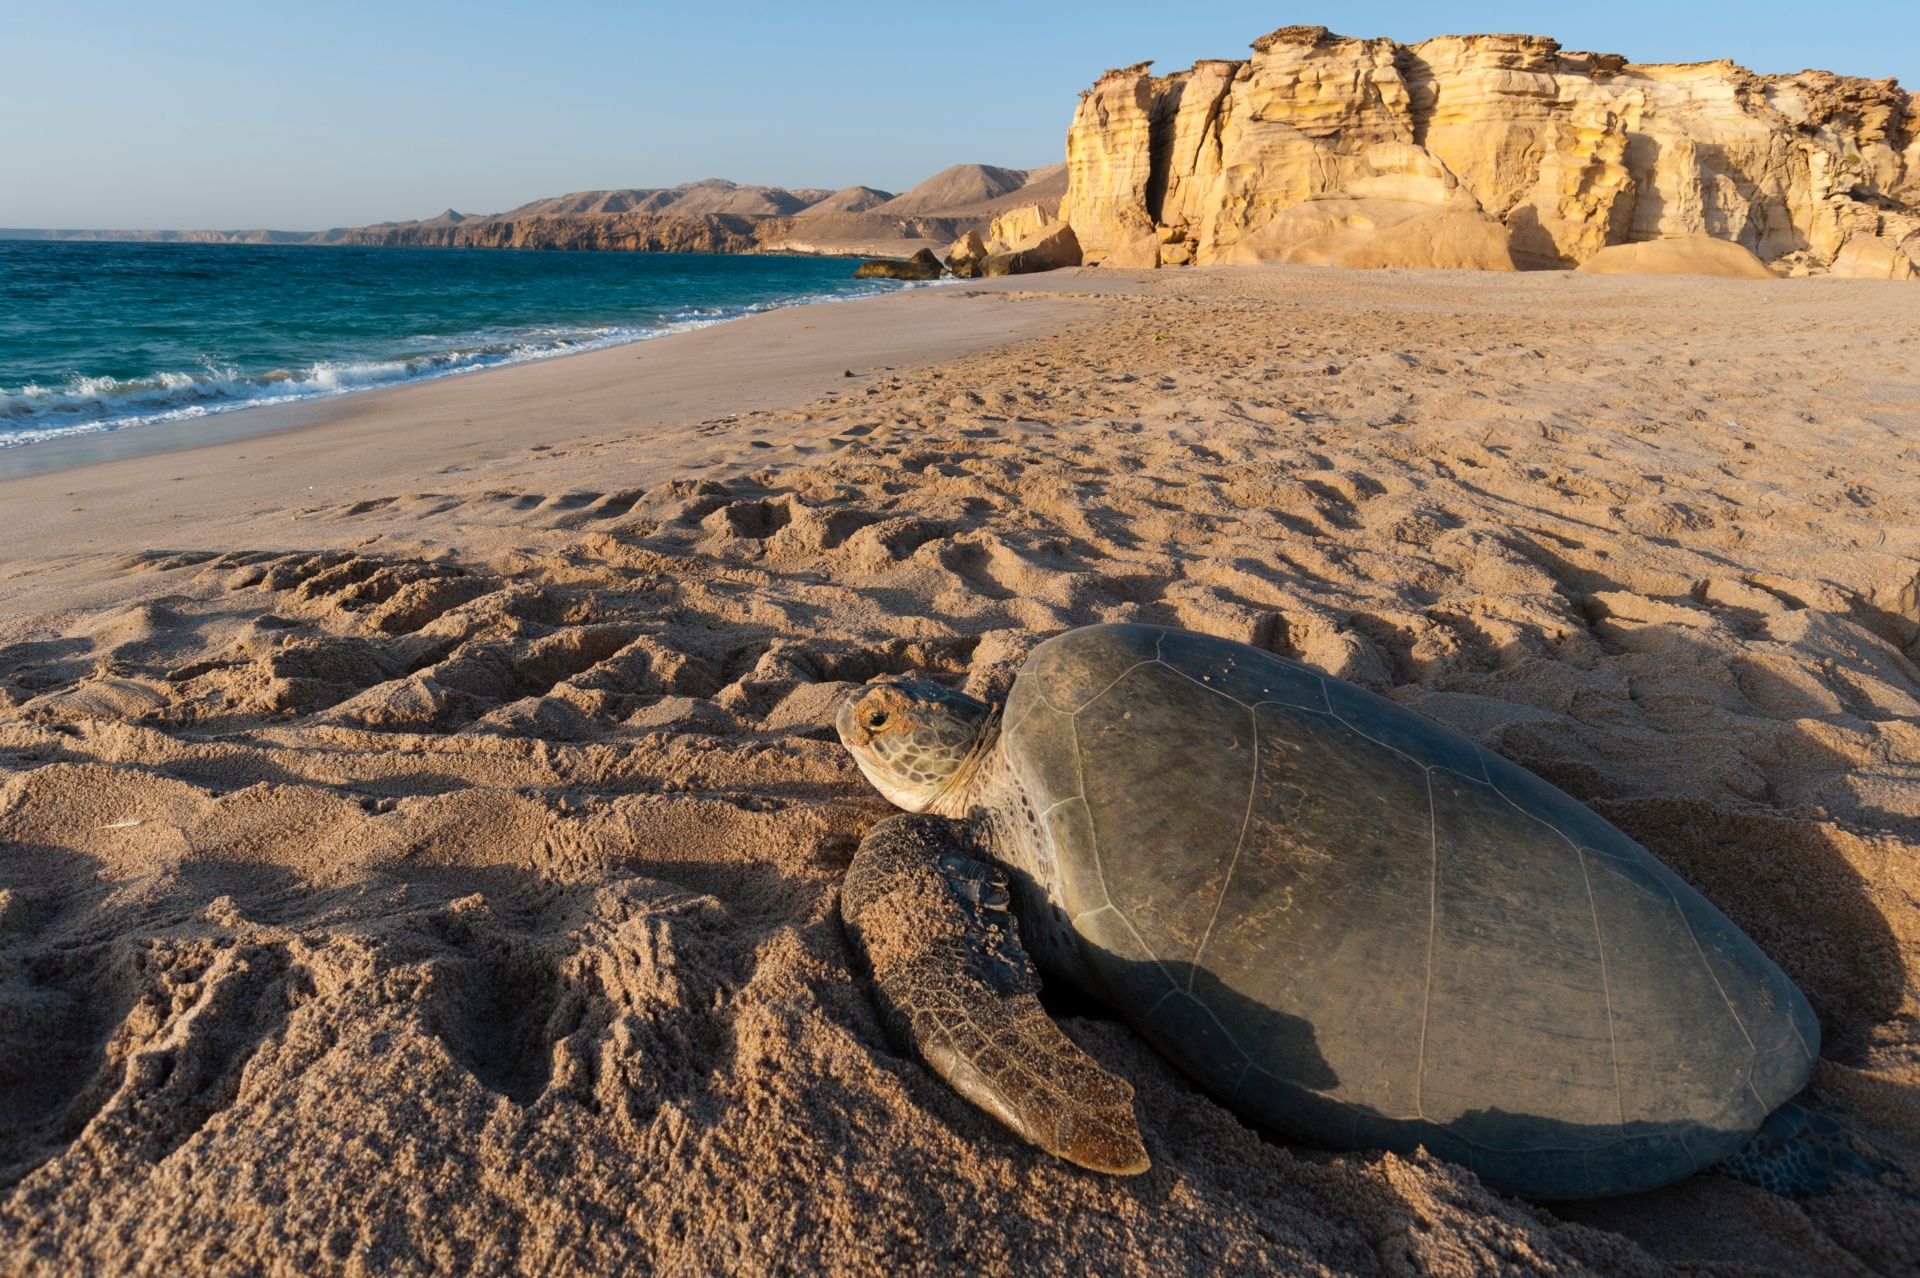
x,y
1568,152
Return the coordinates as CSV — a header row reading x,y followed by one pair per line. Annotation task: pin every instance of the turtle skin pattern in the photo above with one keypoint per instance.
x,y
954,987
1799,1151
1363,929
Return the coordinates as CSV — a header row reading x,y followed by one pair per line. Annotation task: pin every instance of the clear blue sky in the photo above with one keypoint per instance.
x,y
226,115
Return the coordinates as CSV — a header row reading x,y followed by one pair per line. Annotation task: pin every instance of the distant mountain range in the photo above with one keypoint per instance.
x,y
714,216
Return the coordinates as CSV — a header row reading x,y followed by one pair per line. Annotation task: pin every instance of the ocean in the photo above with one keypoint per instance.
x,y
107,336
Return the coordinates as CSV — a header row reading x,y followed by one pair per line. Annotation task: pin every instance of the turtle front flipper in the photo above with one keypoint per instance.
x,y
953,985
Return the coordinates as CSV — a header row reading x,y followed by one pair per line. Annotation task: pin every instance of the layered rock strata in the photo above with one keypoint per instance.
x,y
1566,152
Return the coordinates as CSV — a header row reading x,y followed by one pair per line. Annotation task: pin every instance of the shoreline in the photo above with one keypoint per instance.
x,y
253,393
793,353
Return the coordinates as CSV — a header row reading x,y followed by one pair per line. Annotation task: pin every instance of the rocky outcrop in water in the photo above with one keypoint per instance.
x,y
1567,152
921,266
967,256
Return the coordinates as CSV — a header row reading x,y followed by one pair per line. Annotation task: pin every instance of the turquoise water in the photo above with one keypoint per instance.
x,y
102,336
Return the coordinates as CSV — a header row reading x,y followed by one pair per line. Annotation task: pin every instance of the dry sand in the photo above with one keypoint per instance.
x,y
435,869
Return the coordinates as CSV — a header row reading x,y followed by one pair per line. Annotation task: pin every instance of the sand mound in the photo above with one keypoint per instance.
x,y
464,896
1685,255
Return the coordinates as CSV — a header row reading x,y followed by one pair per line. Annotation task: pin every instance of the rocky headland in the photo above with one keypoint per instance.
x,y
1492,151
713,216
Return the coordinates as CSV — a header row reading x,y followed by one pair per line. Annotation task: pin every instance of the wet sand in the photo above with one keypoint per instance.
x,y
420,836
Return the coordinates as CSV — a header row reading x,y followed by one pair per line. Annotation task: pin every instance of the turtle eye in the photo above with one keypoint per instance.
x,y
878,719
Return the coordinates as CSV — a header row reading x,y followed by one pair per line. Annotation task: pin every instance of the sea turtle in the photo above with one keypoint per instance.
x,y
1344,920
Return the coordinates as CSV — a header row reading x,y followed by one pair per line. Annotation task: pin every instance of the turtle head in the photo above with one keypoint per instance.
x,y
919,743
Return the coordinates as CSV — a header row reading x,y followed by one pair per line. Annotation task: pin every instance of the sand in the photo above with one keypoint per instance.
x,y
420,838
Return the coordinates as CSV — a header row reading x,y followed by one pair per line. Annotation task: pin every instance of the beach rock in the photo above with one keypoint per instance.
x,y
967,256
1019,224
1873,259
1570,152
1047,250
1687,255
921,266
1142,254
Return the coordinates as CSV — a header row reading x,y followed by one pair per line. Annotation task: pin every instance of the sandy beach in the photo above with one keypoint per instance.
x,y
421,826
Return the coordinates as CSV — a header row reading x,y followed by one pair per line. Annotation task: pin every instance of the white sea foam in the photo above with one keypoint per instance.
x,y
32,413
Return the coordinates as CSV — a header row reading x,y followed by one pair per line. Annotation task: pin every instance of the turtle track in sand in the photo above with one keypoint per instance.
x,y
473,853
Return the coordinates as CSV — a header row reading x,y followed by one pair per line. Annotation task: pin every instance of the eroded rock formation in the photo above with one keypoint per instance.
x,y
1048,249
967,256
1567,152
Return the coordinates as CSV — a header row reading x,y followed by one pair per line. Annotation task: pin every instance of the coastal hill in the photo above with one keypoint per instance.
x,y
715,195
712,216
851,199
717,216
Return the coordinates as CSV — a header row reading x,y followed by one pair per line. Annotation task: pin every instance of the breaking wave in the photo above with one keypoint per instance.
x,y
33,411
